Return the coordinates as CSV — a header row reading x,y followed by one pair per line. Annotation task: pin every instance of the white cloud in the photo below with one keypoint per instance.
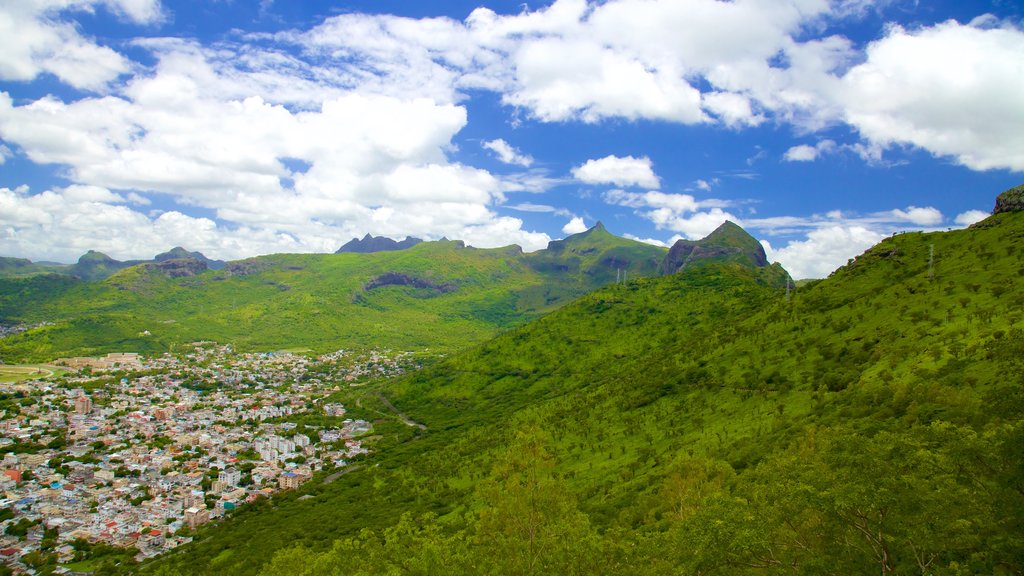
x,y
970,217
624,171
806,153
508,154
951,89
651,241
823,250
676,212
734,110
35,39
356,163
574,226
927,216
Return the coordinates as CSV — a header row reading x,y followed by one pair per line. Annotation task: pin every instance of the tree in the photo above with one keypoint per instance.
x,y
529,522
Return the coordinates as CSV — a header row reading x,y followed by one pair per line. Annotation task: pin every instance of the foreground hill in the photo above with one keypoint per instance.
x,y
700,422
442,295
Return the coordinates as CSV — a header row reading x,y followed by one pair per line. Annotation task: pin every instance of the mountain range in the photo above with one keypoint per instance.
x,y
440,295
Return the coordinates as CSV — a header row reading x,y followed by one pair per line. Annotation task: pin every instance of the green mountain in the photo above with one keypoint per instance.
x,y
728,242
437,295
179,253
701,422
22,267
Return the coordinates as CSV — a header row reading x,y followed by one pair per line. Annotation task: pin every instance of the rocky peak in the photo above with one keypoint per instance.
x,y
728,242
370,243
1010,201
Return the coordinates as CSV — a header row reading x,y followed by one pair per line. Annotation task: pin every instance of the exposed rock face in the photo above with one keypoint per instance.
x,y
396,279
1010,201
247,266
180,267
178,252
727,242
370,244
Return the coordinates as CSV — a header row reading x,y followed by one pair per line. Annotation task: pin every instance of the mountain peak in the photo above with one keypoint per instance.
x,y
175,253
728,242
94,257
1010,201
371,243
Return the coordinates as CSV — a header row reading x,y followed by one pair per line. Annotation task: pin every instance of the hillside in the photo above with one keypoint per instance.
x,y
438,295
22,267
700,422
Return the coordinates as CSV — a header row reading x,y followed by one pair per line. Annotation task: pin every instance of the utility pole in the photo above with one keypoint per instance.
x,y
931,261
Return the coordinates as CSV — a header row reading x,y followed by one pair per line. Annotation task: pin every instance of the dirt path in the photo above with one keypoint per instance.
x,y
405,419
341,473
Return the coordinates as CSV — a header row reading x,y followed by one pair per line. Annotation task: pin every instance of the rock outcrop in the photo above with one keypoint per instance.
x,y
727,242
1010,201
370,243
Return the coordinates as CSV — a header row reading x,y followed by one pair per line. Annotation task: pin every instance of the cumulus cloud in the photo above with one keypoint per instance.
x,y
970,217
823,250
508,154
620,171
651,241
357,163
676,212
952,89
35,38
920,216
818,244
807,153
574,226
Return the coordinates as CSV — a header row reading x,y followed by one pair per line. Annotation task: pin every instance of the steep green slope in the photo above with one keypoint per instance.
x,y
698,423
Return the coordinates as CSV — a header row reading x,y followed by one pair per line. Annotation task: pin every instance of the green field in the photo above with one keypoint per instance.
x,y
18,372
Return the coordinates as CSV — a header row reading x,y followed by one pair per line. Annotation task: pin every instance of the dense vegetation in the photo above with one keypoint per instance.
x,y
438,295
699,423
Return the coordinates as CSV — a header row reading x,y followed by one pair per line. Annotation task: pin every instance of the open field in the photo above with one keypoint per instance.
x,y
16,372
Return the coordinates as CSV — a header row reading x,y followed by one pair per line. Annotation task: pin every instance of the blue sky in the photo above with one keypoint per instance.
x,y
243,128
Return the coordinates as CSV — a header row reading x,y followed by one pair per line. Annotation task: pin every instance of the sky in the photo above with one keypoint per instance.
x,y
239,128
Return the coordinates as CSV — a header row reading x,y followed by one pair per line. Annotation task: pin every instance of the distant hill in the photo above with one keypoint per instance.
x,y
702,422
95,265
179,253
369,244
440,295
22,267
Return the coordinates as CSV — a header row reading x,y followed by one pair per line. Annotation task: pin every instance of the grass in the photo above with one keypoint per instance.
x,y
16,373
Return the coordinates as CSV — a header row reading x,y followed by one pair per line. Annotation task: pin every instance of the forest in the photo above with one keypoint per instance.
x,y
706,422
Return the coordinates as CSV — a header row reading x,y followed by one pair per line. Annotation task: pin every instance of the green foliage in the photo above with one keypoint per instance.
x,y
873,422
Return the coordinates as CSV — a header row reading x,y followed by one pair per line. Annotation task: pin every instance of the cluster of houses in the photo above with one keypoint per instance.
x,y
144,460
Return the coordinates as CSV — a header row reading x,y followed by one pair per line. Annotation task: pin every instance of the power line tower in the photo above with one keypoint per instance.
x,y
931,261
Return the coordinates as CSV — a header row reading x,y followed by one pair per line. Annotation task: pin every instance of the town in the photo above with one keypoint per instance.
x,y
137,453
